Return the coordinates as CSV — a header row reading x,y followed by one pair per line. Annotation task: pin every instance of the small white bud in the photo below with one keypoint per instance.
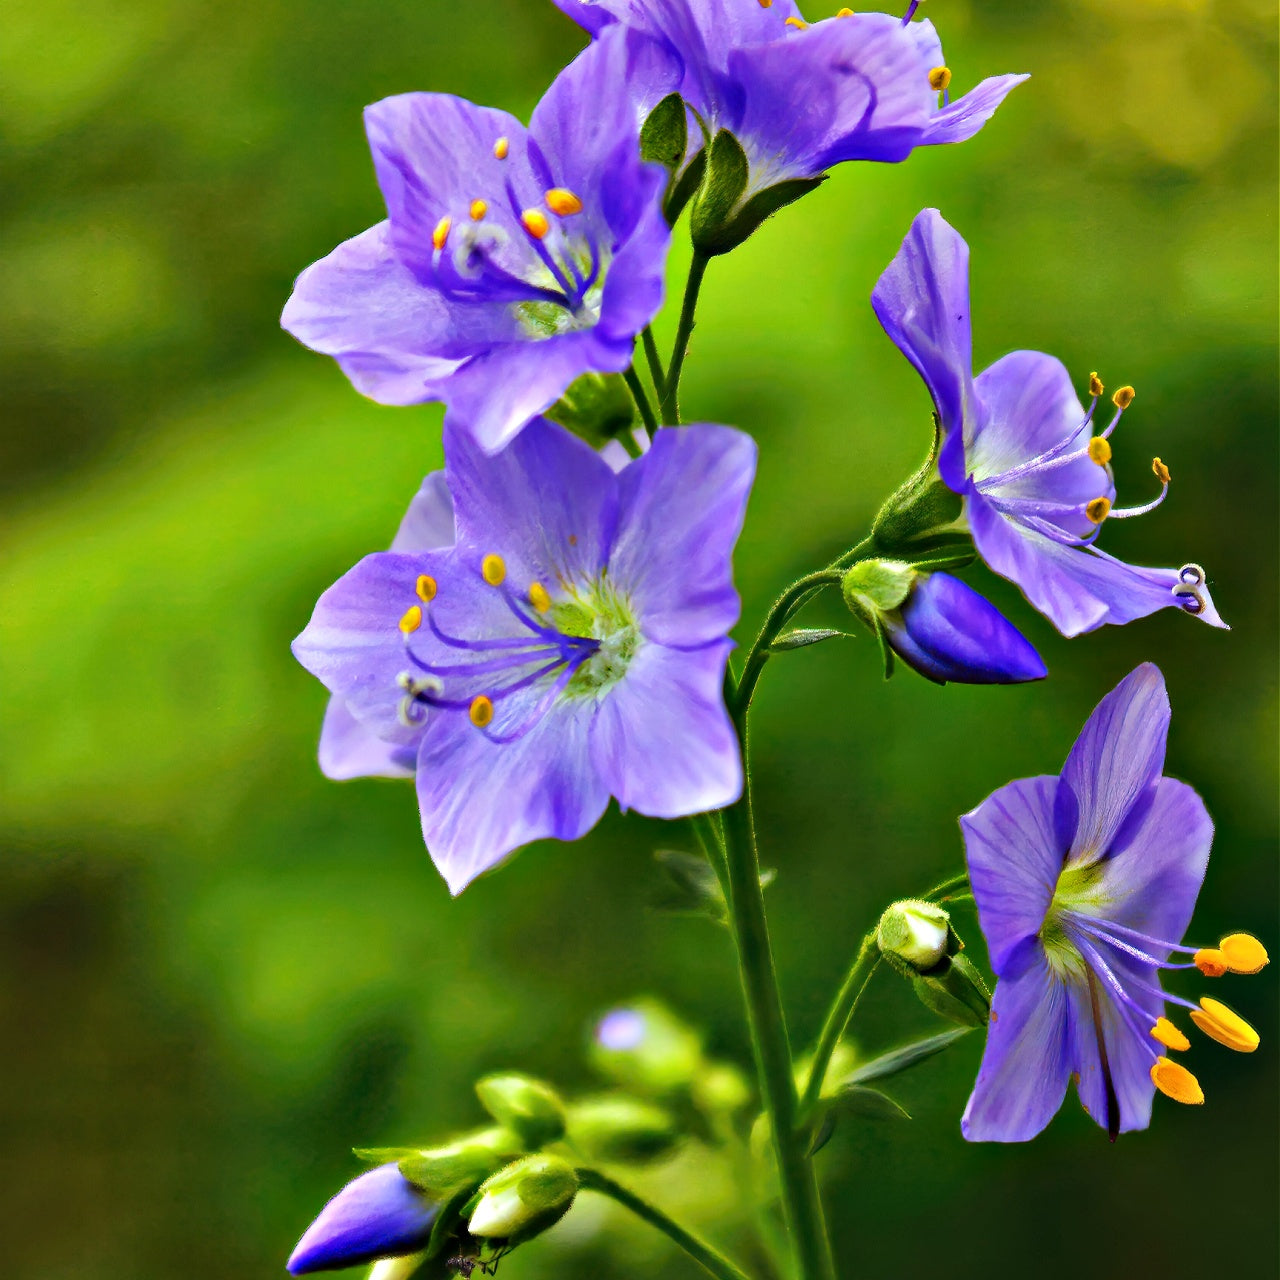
x,y
915,932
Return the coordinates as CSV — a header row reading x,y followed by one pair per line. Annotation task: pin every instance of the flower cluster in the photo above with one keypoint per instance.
x,y
551,628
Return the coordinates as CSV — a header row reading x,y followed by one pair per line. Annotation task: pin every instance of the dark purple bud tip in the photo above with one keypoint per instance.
x,y
947,631
379,1215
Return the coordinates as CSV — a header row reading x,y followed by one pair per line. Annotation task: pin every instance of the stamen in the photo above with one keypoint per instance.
x,y
911,12
478,209
1211,962
1100,450
766,4
1123,398
501,148
1095,385
493,569
1176,1082
562,202
426,588
939,79
440,236
1162,474
535,223
799,23
1244,953
1160,471
539,598
411,620
844,13
1098,510
1169,1035
1225,1026
481,712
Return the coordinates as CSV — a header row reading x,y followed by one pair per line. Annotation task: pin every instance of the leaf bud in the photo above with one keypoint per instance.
x,y
647,1048
523,1200
616,1129
528,1107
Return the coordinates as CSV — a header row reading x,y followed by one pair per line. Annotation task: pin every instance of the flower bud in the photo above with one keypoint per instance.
x,y
378,1215
524,1199
440,1171
616,1129
914,933
721,1088
647,1048
528,1107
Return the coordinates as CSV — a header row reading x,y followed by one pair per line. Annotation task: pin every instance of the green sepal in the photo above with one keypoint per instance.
x,y
887,656
681,189
384,1155
530,1108
664,136
870,1104
923,516
955,991
618,1129
723,186
439,1171
450,1220
763,205
822,1132
898,1060
597,407
802,637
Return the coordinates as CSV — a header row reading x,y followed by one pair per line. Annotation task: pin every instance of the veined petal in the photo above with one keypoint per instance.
x,y
350,749
962,118
663,737
361,306
1117,760
1014,860
1023,1077
481,800
681,508
428,524
922,300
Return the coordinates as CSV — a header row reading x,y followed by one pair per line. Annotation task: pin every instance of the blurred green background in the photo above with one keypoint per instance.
x,y
219,972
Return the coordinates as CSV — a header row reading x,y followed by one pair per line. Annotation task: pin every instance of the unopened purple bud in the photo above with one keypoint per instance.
x,y
620,1030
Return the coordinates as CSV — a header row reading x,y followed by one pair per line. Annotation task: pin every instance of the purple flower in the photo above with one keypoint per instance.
x,y
379,1215
1085,884
570,646
871,86
948,632
1019,448
512,260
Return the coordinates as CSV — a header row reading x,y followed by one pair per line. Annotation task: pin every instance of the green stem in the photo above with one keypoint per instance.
x,y
656,371
642,401
948,886
699,1250
670,402
784,608
833,1029
801,1204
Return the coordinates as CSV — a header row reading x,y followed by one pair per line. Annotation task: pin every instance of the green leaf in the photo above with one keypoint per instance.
x,y
802,637
890,1064
870,1104
822,1134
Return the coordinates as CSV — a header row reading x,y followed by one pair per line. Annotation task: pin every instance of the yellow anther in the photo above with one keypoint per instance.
x,y
1211,962
535,223
493,569
939,78
1098,510
799,23
426,588
501,148
844,13
412,619
1176,1082
766,4
1095,385
1123,397
440,235
1169,1035
562,202
1160,470
1100,450
538,597
478,209
481,711
1221,1024
1243,953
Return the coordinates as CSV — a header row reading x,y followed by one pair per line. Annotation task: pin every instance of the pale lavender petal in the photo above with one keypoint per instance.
x,y
922,300
663,739
350,749
1023,1077
1117,760
364,308
428,524
681,508
963,117
1014,862
481,800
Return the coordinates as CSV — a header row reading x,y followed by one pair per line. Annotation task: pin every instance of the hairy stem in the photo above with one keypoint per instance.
x,y
699,1250
656,371
669,407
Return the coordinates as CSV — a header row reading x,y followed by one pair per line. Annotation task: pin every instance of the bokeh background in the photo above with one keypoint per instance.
x,y
219,972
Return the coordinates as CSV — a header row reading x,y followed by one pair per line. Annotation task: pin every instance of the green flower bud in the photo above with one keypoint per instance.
x,y
523,1200
616,1129
440,1171
956,991
721,1088
647,1048
526,1106
914,934
873,587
